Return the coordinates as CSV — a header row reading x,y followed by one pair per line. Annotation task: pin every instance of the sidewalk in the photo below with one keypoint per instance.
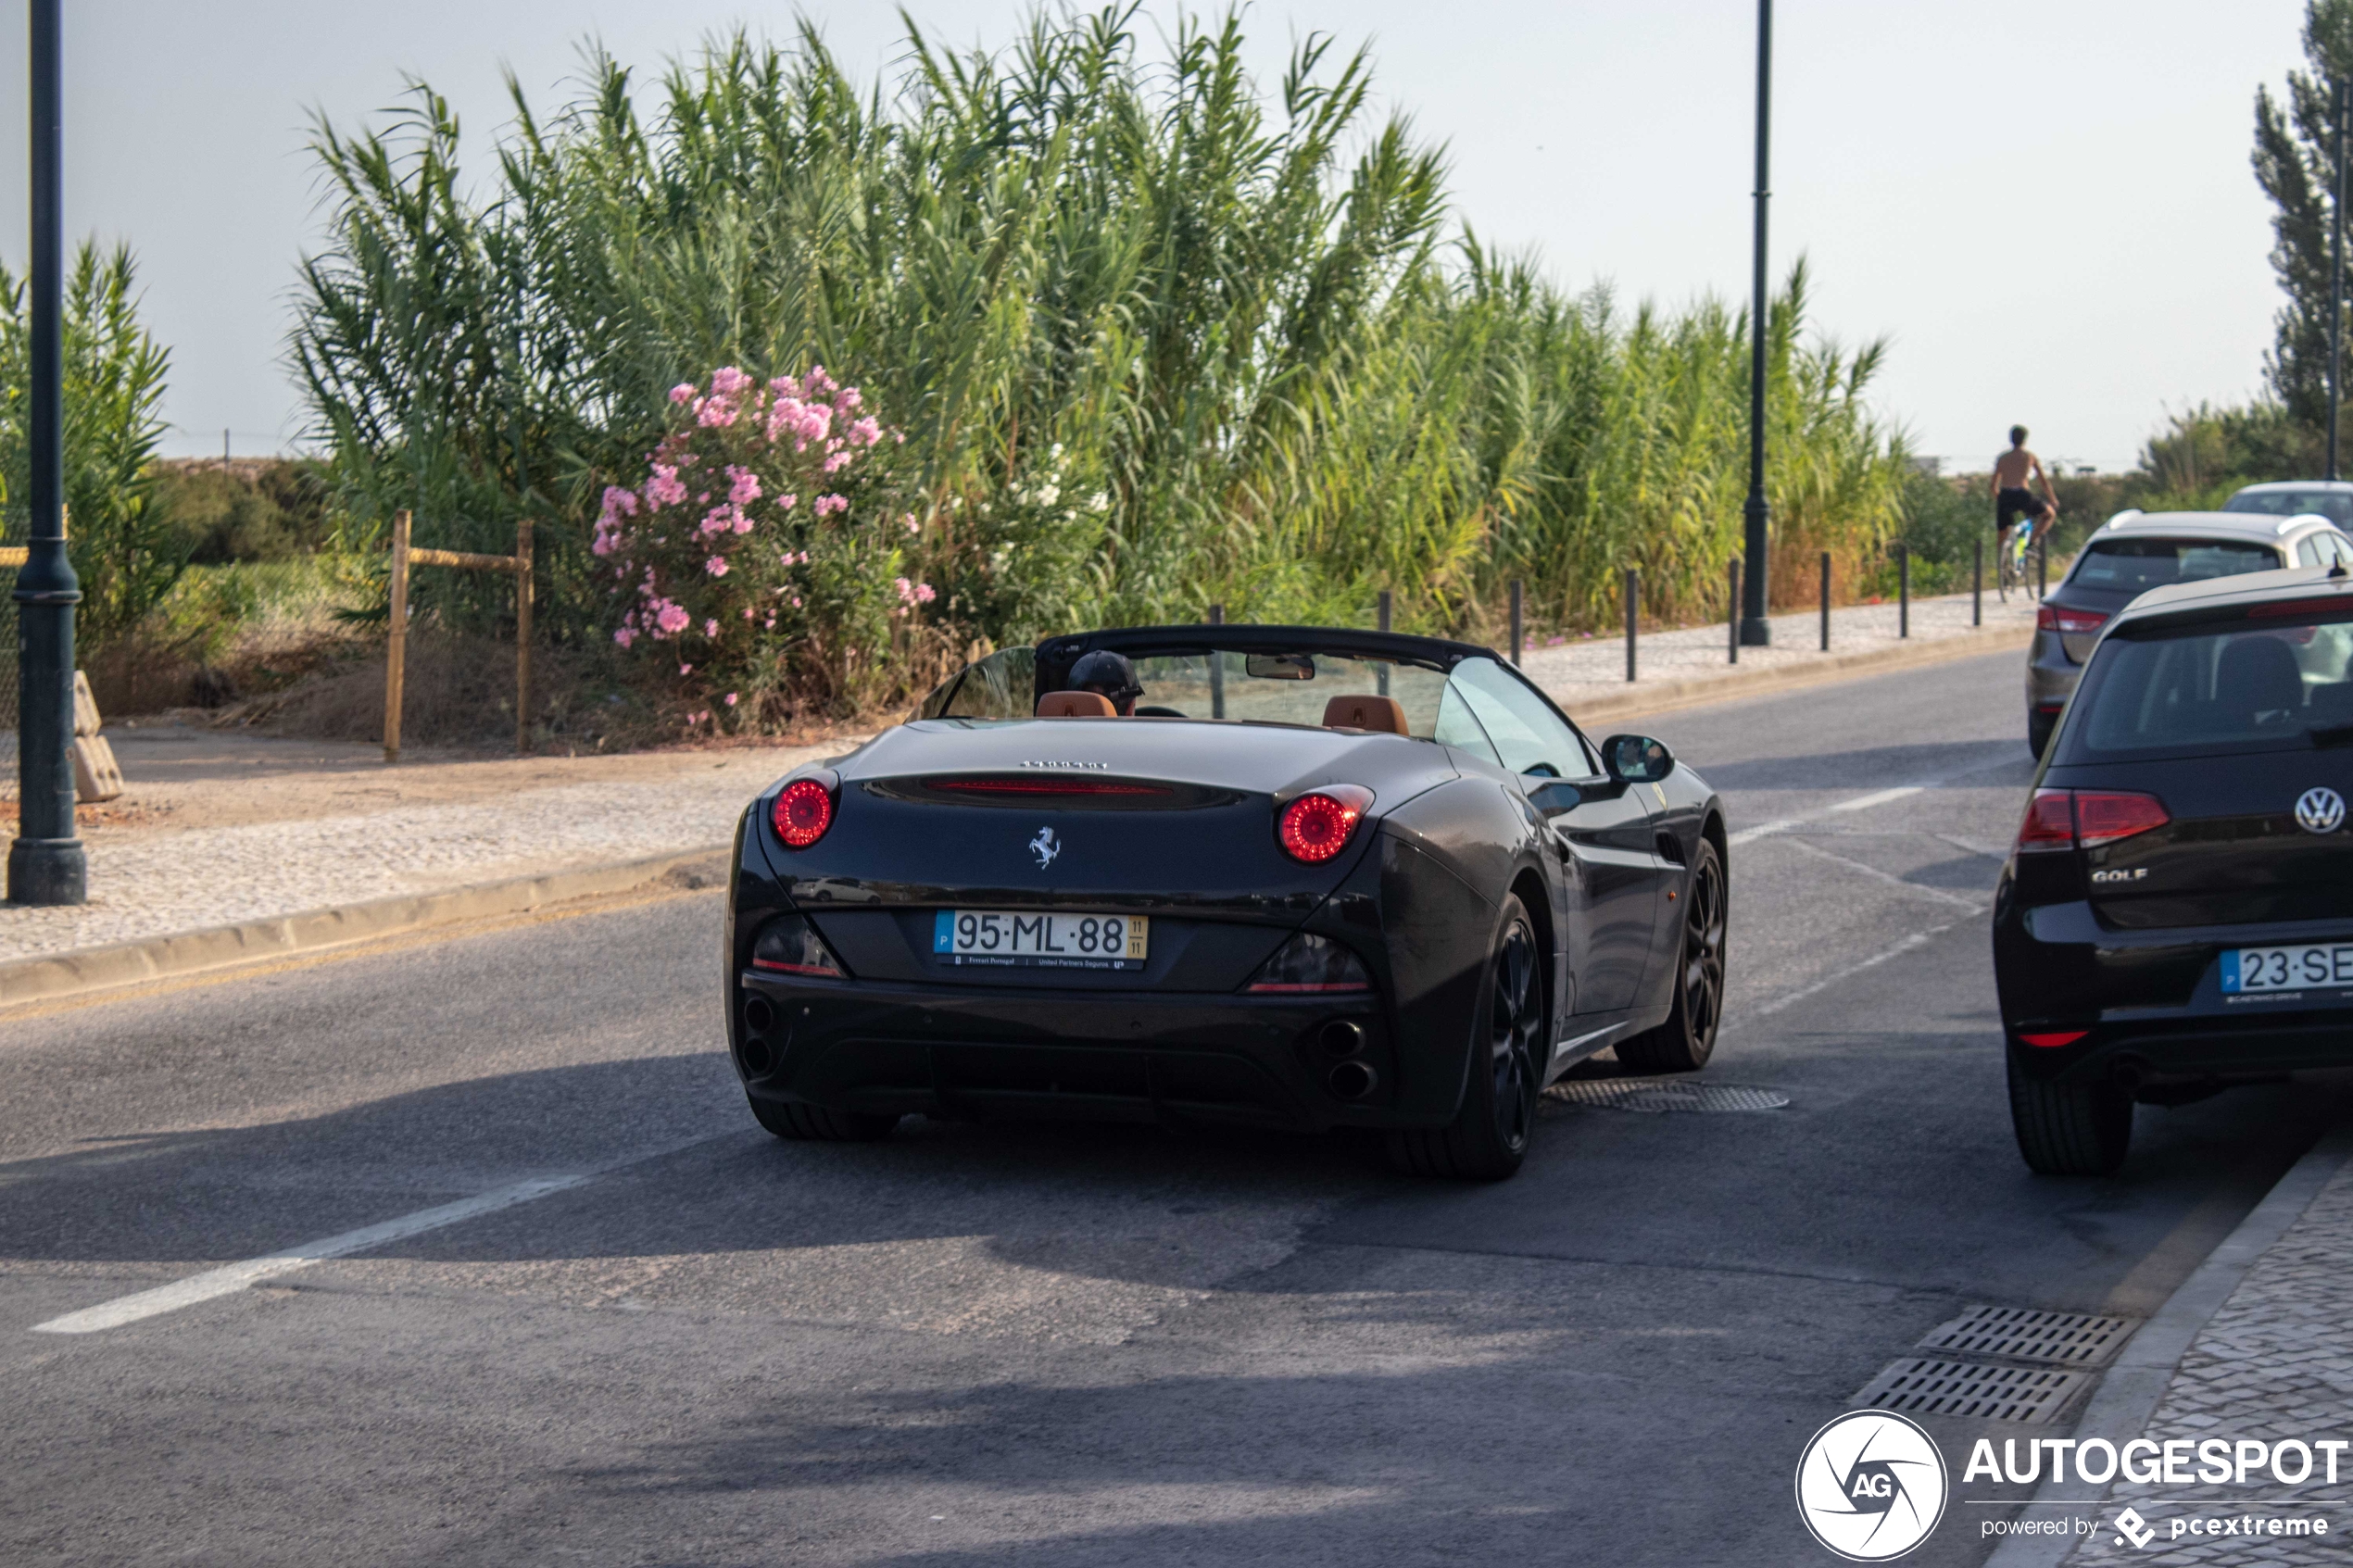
x,y
1588,676
2274,1362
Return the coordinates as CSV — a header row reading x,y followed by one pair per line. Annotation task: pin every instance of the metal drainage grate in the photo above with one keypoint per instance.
x,y
2022,1334
1653,1096
1931,1385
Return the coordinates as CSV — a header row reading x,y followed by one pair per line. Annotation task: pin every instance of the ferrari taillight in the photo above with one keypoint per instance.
x,y
1317,826
803,812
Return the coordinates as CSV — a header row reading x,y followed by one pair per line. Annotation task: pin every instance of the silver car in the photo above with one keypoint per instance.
x,y
2138,551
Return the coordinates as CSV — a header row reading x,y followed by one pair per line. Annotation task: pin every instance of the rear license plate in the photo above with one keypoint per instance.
x,y
2251,970
1041,941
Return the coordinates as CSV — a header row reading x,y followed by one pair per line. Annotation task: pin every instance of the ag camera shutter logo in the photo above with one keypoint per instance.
x,y
1871,1486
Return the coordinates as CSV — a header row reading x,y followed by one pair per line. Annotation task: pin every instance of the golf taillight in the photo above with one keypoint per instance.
x,y
2085,819
1315,827
2075,622
803,812
2104,816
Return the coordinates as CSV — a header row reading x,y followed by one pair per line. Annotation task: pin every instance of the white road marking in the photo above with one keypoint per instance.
x,y
1941,895
1862,802
234,1277
1918,939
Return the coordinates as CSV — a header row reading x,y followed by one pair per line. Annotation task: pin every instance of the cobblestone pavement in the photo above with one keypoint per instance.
x,y
2275,1362
1588,668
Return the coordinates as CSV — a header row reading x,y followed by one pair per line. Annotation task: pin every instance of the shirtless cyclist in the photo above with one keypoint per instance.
x,y
2011,497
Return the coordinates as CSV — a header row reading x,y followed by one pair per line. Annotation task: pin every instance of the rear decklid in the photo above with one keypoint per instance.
x,y
2235,714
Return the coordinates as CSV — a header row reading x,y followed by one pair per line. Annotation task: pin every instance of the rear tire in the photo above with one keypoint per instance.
x,y
1687,1039
2038,733
814,1124
2070,1129
1488,1139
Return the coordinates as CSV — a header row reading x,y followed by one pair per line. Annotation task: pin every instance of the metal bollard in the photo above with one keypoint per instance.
x,y
1519,626
1826,601
1903,590
1380,672
1634,600
1732,573
2043,569
1977,587
1217,663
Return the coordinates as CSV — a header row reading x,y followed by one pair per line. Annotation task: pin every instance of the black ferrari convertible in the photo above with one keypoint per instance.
x,y
1279,876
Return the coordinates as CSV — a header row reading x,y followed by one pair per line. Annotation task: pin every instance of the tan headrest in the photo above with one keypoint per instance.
x,y
1381,713
1076,705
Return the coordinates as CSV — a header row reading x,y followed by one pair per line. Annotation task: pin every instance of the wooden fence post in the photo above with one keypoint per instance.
x,y
396,642
522,636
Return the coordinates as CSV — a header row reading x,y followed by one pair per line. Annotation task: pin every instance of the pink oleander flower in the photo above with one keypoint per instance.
x,y
672,619
848,398
785,503
925,592
796,603
840,460
710,628
865,433
772,623
747,612
817,383
715,412
913,526
685,669
717,567
731,699
663,489
743,486
829,504
624,637
729,381
683,393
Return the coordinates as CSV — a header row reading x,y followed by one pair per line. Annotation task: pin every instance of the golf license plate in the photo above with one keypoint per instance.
x,y
2252,971
1042,940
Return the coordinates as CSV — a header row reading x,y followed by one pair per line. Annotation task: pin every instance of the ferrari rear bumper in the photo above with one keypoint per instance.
x,y
1302,1062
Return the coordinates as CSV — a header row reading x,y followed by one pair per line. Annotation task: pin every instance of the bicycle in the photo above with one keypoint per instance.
x,y
2010,557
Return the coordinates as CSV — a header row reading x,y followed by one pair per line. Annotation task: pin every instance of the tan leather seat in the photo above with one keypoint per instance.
x,y
1076,705
1381,713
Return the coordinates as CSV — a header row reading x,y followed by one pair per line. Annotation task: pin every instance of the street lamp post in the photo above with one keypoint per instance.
x,y
45,861
1756,630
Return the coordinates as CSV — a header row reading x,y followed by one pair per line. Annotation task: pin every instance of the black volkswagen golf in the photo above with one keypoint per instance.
x,y
2177,915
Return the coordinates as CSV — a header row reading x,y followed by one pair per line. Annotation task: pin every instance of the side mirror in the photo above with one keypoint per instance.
x,y
1637,758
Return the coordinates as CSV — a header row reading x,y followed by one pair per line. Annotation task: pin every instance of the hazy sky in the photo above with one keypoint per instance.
x,y
2047,208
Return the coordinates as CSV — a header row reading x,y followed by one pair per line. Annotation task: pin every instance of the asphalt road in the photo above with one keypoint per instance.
x,y
1050,1345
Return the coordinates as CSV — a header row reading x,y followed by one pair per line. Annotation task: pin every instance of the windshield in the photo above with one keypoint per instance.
x,y
2333,505
2262,684
1227,684
2134,566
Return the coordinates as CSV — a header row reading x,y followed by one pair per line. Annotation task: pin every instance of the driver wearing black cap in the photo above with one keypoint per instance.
x,y
1111,674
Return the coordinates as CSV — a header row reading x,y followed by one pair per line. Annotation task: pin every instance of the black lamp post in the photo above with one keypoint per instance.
x,y
45,861
1756,630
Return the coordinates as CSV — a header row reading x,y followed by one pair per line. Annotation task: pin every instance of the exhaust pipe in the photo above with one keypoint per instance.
x,y
1352,1080
758,1015
1341,1038
755,1053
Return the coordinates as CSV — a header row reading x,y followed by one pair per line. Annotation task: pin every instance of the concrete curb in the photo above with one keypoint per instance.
x,y
1821,670
48,977
2120,1407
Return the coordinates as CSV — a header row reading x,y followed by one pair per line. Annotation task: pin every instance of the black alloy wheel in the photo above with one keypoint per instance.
x,y
1488,1138
1687,1039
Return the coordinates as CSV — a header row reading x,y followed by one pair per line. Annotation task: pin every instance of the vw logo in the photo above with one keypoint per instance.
x,y
2320,810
